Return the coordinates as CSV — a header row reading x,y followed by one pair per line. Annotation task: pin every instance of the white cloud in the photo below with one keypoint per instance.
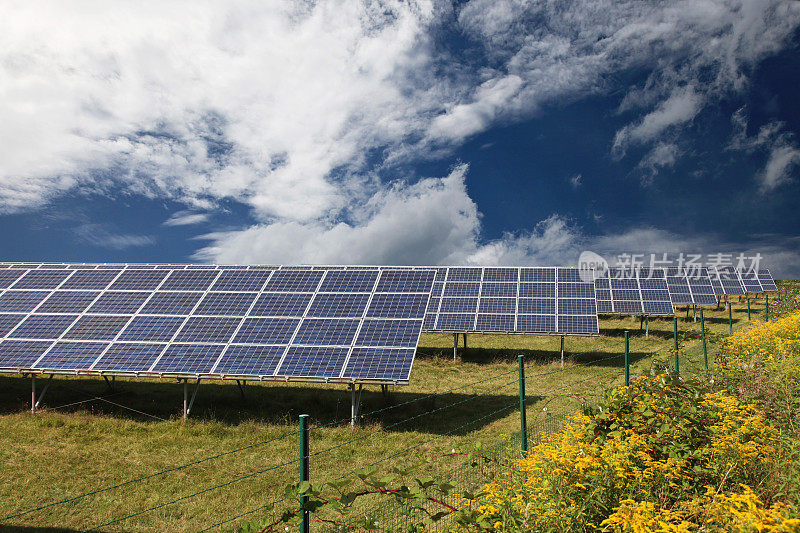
x,y
576,181
103,236
186,218
777,171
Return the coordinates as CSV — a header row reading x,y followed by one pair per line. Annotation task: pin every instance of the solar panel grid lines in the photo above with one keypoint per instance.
x,y
766,280
361,324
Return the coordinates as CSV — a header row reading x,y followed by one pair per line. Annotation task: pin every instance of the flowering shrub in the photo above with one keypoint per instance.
x,y
660,455
787,300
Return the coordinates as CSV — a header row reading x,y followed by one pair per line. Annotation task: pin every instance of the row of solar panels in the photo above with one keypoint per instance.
x,y
331,323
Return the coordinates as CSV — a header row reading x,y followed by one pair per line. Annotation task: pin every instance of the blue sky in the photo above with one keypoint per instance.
x,y
480,132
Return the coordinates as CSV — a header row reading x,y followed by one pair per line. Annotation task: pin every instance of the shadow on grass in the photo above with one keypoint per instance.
x,y
595,358
222,402
27,529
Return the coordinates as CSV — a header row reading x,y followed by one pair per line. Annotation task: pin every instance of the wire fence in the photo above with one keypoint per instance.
x,y
478,405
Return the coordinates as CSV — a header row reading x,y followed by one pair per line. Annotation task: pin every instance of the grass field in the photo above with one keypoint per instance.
x,y
70,448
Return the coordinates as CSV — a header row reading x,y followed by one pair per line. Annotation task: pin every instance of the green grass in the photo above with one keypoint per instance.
x,y
137,430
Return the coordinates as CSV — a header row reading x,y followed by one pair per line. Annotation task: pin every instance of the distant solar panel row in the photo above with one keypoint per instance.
x,y
330,324
621,291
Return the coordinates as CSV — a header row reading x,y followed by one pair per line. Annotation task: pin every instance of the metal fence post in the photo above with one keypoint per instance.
x,y
748,308
730,318
675,340
522,415
304,465
766,296
703,334
627,364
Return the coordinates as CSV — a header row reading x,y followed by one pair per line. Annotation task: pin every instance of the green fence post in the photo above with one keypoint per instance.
x,y
675,340
703,334
767,300
627,366
730,318
748,308
522,415
304,465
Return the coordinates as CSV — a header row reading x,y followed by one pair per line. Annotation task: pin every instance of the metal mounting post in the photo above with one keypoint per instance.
x,y
465,342
109,383
304,456
522,412
187,403
695,312
675,340
455,346
646,326
385,391
34,400
627,363
240,384
703,333
562,351
355,402
730,319
748,308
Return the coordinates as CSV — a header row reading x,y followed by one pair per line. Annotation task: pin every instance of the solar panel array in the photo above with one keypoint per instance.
x,y
191,320
689,285
635,292
725,280
512,300
766,280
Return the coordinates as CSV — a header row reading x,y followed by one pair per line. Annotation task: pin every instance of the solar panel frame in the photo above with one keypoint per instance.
x,y
632,292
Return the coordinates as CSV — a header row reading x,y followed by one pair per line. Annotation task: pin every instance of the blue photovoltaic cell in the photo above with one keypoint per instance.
x,y
405,281
604,306
189,358
90,279
458,305
42,327
208,329
241,280
433,305
498,290
313,361
119,303
402,333
250,360
437,289
500,274
41,279
536,323
397,305
569,275
21,354
67,302
21,301
537,306
628,306
656,295
8,322
93,327
189,280
294,281
537,290
498,305
494,322
537,274
576,290
326,331
71,356
464,274
226,303
139,280
658,308
430,322
349,281
577,324
267,330
7,277
461,289
151,328
379,364
624,284
455,322
626,294
576,306
129,357
338,305
281,304
171,303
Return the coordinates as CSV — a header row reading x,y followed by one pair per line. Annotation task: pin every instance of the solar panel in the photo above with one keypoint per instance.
x,y
750,281
71,356
765,278
728,281
690,286
512,300
634,292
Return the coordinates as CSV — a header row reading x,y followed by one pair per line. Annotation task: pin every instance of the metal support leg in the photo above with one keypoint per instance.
x,y
385,391
355,403
562,351
455,346
241,384
641,323
187,403
694,307
109,383
646,326
465,342
34,400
